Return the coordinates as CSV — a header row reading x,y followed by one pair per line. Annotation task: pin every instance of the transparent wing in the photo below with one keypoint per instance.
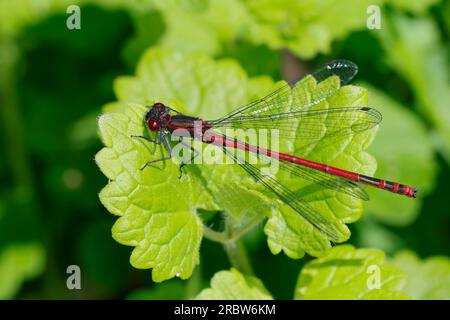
x,y
284,194
308,127
325,180
276,102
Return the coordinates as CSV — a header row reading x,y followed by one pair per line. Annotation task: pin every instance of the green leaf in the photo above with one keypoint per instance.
x,y
415,50
193,82
166,233
417,7
17,14
205,25
144,199
428,278
307,28
148,29
404,153
286,230
348,273
233,285
197,85
19,263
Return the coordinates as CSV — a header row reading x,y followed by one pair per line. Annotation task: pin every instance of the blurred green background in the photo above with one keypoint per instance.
x,y
54,82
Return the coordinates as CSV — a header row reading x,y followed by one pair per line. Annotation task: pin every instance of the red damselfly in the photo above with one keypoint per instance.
x,y
288,114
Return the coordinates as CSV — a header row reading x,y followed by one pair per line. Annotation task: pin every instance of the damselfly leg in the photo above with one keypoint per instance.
x,y
158,141
191,160
162,137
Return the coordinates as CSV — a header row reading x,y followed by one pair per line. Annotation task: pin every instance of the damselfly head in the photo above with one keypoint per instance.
x,y
157,117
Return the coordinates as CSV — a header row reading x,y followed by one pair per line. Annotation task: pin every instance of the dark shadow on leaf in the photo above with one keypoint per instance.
x,y
337,263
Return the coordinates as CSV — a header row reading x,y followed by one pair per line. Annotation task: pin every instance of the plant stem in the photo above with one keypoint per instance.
x,y
230,235
230,239
235,249
194,284
213,235
292,67
238,256
236,234
13,129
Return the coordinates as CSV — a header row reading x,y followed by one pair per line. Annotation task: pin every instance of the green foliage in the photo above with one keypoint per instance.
x,y
205,26
418,7
307,28
428,278
178,84
372,233
401,160
233,285
54,80
166,233
189,80
194,83
18,263
414,49
344,274
148,28
17,14
97,253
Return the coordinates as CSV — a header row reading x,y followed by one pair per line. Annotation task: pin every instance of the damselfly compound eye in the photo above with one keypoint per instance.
x,y
153,124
